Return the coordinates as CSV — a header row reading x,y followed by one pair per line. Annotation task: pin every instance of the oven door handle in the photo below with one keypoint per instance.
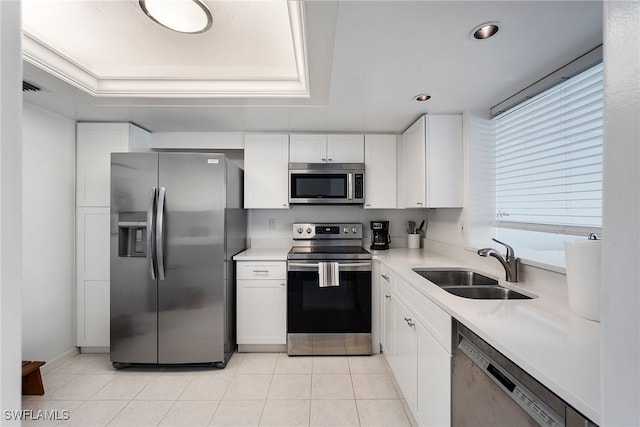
x,y
340,264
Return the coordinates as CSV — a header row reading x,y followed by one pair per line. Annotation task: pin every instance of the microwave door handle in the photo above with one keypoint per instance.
x,y
350,186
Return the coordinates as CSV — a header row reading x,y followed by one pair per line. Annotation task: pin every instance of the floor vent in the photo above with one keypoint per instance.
x,y
28,87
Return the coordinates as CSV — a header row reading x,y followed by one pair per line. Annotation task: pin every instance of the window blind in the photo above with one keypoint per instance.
x,y
549,158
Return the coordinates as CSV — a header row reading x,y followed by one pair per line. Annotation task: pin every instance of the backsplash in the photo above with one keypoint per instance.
x,y
272,227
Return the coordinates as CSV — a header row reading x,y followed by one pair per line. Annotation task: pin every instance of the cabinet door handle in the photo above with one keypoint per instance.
x,y
330,160
260,271
419,203
283,284
323,159
409,321
385,277
388,296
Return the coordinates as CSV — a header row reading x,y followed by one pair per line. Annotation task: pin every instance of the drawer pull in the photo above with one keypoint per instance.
x,y
261,271
283,284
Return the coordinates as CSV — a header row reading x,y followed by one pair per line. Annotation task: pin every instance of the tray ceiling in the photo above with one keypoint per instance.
x,y
111,48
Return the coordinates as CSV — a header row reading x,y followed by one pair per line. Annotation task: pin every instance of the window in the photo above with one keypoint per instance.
x,y
549,159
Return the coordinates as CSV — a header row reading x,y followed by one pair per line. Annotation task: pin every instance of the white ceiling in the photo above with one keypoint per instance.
x,y
364,60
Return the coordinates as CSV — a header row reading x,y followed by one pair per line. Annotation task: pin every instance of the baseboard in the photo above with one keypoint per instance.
x,y
262,348
95,350
60,360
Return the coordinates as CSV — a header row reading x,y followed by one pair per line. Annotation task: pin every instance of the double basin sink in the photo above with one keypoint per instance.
x,y
468,284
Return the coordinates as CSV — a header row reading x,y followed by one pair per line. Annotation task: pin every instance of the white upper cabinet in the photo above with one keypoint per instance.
x,y
322,148
345,148
380,185
413,160
94,144
432,162
307,148
266,176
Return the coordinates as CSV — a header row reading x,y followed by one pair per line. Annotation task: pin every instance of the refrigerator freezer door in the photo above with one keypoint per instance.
x,y
191,312
134,297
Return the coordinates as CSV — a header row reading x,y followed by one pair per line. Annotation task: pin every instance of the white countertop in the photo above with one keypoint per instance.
x,y
262,254
541,335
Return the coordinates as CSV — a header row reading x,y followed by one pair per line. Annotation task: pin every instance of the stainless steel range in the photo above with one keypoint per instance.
x,y
328,290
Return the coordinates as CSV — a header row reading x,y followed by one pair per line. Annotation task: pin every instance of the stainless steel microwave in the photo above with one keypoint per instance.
x,y
326,183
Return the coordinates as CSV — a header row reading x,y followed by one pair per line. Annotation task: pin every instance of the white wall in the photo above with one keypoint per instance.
x,y
48,207
620,373
10,207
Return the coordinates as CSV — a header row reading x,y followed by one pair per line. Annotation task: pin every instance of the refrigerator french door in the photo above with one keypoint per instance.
x,y
176,221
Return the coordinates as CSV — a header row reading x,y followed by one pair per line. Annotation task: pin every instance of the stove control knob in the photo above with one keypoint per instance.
x,y
346,230
354,230
299,230
308,230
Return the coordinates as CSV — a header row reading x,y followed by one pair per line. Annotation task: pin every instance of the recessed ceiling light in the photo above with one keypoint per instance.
x,y
486,30
422,97
183,16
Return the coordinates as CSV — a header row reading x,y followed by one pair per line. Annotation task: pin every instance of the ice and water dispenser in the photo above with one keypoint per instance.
x,y
132,234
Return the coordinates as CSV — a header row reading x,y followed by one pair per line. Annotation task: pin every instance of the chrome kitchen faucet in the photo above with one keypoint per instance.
x,y
510,263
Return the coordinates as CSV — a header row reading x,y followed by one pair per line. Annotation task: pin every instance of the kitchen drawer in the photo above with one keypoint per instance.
x,y
387,277
433,318
261,270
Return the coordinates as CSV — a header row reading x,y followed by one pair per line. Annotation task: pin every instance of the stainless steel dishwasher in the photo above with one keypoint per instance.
x,y
489,390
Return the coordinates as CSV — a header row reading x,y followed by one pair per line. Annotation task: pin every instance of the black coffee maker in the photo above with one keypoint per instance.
x,y
380,238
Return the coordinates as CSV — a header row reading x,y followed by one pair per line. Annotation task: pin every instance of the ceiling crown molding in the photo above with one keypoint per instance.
x,y
43,56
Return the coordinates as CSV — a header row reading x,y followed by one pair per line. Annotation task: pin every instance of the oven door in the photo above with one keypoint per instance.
x,y
345,308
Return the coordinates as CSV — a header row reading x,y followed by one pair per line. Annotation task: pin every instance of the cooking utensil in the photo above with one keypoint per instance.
x,y
412,227
420,227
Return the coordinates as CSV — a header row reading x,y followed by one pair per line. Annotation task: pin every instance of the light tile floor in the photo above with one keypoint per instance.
x,y
255,389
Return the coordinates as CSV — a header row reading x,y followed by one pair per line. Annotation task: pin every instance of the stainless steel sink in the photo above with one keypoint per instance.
x,y
485,292
442,277
468,284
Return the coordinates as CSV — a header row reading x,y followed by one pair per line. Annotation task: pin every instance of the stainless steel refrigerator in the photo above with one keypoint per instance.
x,y
177,219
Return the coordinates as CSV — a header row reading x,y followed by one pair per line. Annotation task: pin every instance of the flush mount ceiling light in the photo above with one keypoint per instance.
x,y
486,30
422,97
183,16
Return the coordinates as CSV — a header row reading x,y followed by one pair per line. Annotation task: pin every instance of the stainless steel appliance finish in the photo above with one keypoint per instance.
x,y
176,221
326,183
332,320
489,390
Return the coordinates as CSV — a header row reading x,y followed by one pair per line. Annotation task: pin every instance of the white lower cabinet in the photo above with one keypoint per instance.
x,y
386,317
92,276
416,343
261,309
406,353
433,406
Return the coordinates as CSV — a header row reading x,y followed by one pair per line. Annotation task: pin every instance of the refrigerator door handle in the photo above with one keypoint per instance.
x,y
151,254
160,232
